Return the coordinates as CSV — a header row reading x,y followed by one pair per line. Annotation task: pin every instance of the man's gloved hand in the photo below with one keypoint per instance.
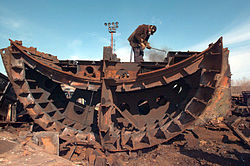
x,y
148,46
142,46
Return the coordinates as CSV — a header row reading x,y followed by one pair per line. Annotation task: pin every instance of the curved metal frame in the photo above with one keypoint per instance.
x,y
118,112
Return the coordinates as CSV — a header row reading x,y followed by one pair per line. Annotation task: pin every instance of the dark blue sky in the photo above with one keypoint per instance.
x,y
75,29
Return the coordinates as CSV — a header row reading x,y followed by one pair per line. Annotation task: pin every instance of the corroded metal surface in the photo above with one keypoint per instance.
x,y
239,121
9,104
48,140
117,106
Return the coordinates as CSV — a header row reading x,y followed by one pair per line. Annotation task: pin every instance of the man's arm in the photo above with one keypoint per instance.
x,y
148,45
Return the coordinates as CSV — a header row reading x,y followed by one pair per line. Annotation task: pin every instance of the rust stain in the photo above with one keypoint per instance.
x,y
48,145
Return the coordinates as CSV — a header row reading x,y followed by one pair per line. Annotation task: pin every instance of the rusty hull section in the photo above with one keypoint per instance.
x,y
119,106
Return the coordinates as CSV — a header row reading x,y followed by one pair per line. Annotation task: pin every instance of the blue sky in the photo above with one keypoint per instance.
x,y
75,29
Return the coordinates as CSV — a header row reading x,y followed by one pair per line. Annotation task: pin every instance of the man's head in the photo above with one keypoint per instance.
x,y
152,29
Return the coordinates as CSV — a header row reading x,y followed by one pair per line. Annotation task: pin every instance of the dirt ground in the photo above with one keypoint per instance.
x,y
15,151
197,146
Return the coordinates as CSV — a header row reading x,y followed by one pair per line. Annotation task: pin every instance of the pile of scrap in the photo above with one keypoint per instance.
x,y
239,120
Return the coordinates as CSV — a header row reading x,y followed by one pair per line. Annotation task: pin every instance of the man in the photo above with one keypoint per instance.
x,y
139,40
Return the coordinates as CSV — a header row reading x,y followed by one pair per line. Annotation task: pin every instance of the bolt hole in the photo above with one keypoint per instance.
x,y
90,69
180,90
161,100
124,106
122,74
177,88
80,105
81,101
98,107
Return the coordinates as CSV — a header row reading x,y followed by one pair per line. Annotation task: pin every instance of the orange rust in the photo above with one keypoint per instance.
x,y
218,95
48,145
47,66
224,82
31,111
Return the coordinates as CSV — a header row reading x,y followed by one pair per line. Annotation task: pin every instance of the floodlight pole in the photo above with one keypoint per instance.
x,y
112,46
112,29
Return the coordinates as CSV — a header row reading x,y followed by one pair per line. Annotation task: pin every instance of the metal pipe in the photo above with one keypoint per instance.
x,y
159,50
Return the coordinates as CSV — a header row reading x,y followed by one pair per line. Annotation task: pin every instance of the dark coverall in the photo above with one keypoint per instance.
x,y
138,41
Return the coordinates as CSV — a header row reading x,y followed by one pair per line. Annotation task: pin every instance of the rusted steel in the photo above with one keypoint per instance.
x,y
48,140
117,106
242,127
9,105
239,121
242,100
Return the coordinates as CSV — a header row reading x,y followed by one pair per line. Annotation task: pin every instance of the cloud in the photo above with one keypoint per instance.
x,y
14,26
75,49
103,41
156,21
11,23
75,44
239,63
238,34
202,45
124,54
75,56
117,34
237,39
3,36
99,38
78,50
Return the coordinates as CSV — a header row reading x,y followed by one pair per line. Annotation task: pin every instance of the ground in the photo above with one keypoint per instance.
x,y
199,146
196,146
15,151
